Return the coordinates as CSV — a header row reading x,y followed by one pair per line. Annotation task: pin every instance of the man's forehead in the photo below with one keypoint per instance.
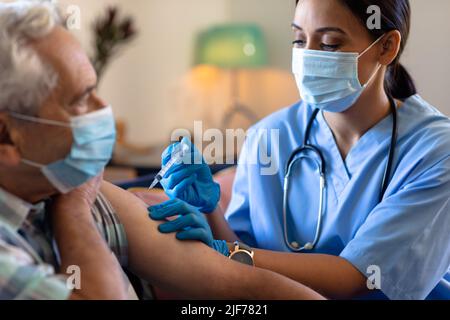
x,y
64,53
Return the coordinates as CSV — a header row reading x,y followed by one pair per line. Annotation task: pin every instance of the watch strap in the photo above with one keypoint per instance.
x,y
243,246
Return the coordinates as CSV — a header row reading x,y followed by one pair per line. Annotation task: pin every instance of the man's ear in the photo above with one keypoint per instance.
x,y
9,154
391,47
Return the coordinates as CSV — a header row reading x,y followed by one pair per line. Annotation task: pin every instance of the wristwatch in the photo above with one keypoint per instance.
x,y
242,253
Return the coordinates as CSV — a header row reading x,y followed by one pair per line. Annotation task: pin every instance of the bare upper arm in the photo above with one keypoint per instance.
x,y
192,269
162,259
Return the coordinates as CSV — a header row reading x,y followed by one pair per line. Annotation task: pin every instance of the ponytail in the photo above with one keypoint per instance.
x,y
398,82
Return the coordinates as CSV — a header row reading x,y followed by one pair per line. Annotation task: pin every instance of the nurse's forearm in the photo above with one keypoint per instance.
x,y
331,276
191,269
219,226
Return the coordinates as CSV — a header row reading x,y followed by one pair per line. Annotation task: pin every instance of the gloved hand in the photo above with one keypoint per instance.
x,y
191,224
191,181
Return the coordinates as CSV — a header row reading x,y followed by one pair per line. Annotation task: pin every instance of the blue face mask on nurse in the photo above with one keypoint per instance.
x,y
367,183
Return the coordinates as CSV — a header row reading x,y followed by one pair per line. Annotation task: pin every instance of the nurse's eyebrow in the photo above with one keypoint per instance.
x,y
321,30
330,29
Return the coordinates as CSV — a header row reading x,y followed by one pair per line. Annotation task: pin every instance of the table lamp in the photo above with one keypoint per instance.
x,y
233,47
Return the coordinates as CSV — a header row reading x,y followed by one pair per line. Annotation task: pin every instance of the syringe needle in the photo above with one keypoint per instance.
x,y
153,185
177,156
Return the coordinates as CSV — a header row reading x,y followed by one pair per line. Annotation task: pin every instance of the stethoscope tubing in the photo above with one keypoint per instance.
x,y
321,165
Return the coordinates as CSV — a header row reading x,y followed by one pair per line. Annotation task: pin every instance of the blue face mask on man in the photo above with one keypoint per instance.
x,y
94,137
329,80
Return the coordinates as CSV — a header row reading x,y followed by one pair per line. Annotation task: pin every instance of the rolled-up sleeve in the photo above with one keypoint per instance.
x,y
407,237
27,281
111,229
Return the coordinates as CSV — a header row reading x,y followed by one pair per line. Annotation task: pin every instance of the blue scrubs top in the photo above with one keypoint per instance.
x,y
406,236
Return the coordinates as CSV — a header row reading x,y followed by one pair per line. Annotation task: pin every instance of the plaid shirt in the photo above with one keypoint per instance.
x,y
28,252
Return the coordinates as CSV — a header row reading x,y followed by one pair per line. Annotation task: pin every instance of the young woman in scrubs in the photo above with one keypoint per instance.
x,y
398,238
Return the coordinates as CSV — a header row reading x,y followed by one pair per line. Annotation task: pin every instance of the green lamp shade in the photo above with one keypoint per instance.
x,y
232,47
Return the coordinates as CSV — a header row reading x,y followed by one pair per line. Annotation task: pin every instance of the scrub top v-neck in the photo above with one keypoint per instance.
x,y
406,236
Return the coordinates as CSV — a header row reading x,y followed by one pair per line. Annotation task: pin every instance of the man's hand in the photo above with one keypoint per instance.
x,y
80,244
85,194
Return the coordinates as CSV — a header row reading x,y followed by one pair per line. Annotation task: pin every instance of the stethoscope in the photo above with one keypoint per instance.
x,y
304,152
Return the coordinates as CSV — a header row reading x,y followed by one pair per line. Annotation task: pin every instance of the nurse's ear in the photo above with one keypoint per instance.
x,y
9,154
391,44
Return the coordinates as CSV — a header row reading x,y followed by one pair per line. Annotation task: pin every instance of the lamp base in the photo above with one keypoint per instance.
x,y
238,109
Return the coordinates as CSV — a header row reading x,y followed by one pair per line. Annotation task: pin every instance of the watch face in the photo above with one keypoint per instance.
x,y
242,257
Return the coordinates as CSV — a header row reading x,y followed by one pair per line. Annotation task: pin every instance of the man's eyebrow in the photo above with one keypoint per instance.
x,y
87,91
293,25
321,30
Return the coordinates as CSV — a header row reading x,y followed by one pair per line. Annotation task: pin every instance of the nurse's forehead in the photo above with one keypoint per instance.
x,y
326,15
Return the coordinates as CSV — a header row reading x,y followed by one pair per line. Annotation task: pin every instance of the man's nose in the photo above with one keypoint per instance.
x,y
98,103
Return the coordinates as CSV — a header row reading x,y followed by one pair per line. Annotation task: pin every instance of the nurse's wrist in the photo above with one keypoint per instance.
x,y
213,217
213,211
211,206
222,247
209,210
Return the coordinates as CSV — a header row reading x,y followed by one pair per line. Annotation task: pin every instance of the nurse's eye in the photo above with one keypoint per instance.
x,y
299,43
329,47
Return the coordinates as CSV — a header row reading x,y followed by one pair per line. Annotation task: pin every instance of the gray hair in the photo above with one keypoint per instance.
x,y
25,80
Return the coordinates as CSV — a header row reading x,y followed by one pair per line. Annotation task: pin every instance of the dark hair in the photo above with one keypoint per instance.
x,y
395,15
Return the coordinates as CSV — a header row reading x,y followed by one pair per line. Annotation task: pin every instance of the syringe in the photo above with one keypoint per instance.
x,y
176,156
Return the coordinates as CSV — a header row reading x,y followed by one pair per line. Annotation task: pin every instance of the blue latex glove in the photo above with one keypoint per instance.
x,y
191,224
191,182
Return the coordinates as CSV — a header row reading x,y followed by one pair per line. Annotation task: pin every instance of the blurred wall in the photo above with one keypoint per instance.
x,y
141,83
151,85
427,56
275,17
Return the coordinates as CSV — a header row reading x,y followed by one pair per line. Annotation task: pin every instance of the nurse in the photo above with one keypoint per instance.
x,y
380,226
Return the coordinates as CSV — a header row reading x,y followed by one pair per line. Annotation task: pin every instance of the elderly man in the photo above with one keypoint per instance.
x,y
56,135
